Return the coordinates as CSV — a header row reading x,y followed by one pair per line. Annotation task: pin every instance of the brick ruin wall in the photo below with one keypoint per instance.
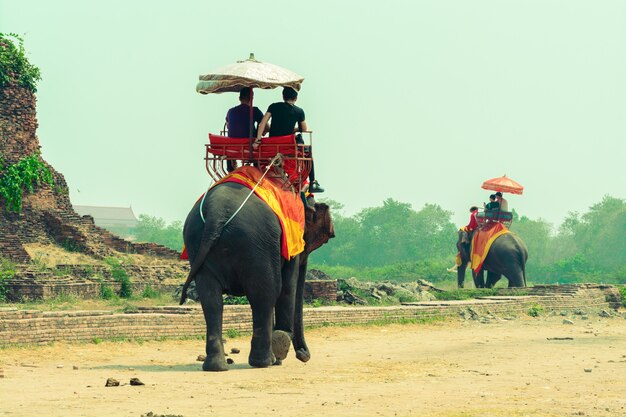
x,y
47,215
40,327
86,281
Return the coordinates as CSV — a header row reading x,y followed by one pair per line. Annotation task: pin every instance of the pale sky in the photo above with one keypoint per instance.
x,y
420,101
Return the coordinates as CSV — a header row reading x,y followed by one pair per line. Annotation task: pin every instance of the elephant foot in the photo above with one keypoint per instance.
x,y
303,355
277,362
214,365
261,363
280,344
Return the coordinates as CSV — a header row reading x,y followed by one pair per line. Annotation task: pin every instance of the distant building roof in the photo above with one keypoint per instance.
x,y
109,216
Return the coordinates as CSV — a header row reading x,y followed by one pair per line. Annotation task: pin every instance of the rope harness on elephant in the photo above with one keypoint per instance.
x,y
275,159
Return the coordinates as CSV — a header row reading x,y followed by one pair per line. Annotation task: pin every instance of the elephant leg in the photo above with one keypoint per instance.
x,y
516,279
284,311
285,304
479,278
299,343
492,279
460,275
261,355
210,295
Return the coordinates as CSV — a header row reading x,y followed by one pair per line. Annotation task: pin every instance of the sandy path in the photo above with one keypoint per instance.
x,y
504,368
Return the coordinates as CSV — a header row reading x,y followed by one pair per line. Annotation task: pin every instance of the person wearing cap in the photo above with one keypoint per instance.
x,y
504,204
238,120
287,118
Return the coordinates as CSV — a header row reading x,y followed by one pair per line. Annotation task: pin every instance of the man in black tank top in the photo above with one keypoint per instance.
x,y
285,115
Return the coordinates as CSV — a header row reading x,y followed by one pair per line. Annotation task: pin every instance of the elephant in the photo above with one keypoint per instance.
x,y
507,256
237,251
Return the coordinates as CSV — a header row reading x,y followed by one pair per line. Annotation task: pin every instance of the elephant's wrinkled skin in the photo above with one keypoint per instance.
x,y
507,256
244,258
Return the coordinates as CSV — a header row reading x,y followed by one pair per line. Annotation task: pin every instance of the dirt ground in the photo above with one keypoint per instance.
x,y
455,368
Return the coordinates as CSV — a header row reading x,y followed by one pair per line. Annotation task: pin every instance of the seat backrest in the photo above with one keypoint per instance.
x,y
272,145
225,146
238,148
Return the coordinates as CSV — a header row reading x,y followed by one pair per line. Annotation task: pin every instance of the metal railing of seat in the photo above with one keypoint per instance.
x,y
292,170
489,217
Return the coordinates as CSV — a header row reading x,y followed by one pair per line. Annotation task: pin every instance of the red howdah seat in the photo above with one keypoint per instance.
x,y
239,148
297,158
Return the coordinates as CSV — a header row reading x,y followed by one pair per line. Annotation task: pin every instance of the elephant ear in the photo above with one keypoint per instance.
x,y
319,226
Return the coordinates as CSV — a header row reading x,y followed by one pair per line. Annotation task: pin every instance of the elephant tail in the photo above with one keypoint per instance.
x,y
203,252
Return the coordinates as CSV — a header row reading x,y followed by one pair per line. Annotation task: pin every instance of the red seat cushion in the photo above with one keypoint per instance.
x,y
238,148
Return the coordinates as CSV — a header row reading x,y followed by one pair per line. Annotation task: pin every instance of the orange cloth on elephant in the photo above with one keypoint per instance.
x,y
287,206
482,241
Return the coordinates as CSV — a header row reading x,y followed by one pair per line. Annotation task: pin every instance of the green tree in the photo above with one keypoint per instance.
x,y
156,230
588,247
537,234
602,234
389,234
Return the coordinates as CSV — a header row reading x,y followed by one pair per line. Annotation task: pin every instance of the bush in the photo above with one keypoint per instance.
x,y
119,274
106,292
148,292
14,65
7,271
23,175
535,310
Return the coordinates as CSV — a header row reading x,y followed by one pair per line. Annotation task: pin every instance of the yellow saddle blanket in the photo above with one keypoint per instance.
x,y
482,241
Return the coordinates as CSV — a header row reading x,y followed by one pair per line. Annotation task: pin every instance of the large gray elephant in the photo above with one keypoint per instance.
x,y
507,256
243,257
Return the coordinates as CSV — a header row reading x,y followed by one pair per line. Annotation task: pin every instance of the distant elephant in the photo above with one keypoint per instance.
x,y
507,256
244,258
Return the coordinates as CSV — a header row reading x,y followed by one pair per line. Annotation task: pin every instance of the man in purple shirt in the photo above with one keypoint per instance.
x,y
238,117
238,121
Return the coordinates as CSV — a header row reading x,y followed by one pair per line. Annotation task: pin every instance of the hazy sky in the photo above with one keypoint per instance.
x,y
420,101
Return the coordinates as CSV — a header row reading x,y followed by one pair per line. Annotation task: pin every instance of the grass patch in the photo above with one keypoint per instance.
x,y
233,333
235,300
465,294
419,318
112,302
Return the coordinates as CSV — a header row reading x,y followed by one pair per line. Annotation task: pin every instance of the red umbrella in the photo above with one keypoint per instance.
x,y
504,185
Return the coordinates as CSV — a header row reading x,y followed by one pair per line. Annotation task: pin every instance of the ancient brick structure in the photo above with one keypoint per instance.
x,y
579,302
47,215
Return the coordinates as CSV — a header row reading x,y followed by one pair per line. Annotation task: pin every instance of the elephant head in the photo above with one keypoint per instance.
x,y
319,227
463,244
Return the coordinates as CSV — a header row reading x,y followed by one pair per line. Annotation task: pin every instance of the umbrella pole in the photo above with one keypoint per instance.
x,y
251,129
